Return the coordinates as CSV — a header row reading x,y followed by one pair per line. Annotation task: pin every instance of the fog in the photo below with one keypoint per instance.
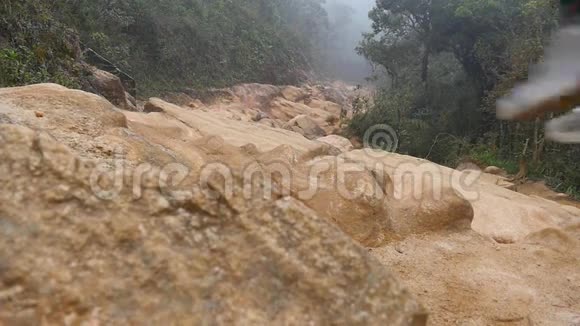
x,y
348,21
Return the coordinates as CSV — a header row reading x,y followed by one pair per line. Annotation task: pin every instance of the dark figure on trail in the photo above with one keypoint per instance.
x,y
554,85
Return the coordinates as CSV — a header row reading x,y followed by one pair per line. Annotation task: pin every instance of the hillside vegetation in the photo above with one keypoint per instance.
x,y
163,44
448,62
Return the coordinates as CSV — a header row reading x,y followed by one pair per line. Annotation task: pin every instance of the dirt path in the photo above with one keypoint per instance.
x,y
465,279
541,190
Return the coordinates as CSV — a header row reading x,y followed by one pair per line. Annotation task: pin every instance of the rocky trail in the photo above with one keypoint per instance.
x,y
241,206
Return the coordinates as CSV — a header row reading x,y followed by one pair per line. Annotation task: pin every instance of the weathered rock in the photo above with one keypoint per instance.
x,y
319,151
271,123
259,116
195,104
468,165
294,94
236,133
256,95
464,278
210,96
540,189
283,103
495,171
217,259
170,136
305,126
131,99
349,196
285,110
179,98
343,144
254,102
362,199
154,105
334,94
250,149
111,88
332,108
75,118
166,247
555,239
491,203
428,210
419,197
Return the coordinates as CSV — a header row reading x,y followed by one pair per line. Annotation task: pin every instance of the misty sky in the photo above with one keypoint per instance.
x,y
350,19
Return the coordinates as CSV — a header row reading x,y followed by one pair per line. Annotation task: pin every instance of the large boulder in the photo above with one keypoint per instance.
x,y
421,183
110,87
165,260
429,211
154,105
75,118
305,126
347,195
419,198
362,198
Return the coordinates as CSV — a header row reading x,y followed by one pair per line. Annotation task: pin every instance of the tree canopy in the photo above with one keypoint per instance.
x,y
448,62
167,43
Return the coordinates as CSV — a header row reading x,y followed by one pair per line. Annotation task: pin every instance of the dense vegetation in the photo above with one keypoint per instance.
x,y
448,61
34,47
164,44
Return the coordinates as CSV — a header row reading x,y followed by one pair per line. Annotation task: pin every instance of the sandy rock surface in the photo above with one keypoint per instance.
x,y
464,278
343,144
83,243
499,213
207,211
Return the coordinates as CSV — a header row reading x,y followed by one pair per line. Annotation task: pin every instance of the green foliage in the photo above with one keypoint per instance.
x,y
20,67
452,59
560,168
489,157
34,47
168,44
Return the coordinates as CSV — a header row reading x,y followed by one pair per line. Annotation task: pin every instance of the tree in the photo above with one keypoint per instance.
x,y
465,54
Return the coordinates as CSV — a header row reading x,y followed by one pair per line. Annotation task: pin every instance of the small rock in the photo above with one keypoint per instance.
x,y
343,144
259,116
399,249
305,126
495,171
39,114
154,105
